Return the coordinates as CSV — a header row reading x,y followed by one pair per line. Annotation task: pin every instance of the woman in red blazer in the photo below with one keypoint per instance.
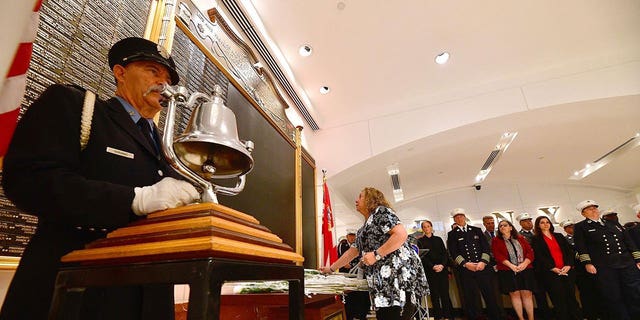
x,y
513,256
555,260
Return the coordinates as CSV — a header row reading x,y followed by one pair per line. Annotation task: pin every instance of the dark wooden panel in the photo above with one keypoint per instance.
x,y
269,194
309,228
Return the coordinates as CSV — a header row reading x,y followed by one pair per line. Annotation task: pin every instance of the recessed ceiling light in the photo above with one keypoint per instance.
x,y
305,50
341,5
442,58
324,89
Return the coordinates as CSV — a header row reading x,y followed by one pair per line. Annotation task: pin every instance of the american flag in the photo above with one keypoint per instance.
x,y
15,81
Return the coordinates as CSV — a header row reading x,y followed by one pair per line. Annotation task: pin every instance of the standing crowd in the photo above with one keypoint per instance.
x,y
597,254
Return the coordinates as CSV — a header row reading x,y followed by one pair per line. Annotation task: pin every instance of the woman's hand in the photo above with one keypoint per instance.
x,y
325,270
523,265
438,268
368,258
565,270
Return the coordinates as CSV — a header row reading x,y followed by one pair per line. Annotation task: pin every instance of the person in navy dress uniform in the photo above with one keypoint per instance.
x,y
606,251
526,224
81,194
471,254
634,230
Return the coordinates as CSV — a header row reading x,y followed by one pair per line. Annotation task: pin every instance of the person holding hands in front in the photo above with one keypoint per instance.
x,y
435,258
554,262
607,252
513,256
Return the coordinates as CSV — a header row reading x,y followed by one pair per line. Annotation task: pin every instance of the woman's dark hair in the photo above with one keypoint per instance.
x,y
536,226
514,234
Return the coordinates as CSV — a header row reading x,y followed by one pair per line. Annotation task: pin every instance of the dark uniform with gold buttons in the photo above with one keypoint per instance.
x,y
590,297
605,245
468,244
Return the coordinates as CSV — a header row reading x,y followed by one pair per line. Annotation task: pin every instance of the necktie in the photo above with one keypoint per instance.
x,y
144,126
491,233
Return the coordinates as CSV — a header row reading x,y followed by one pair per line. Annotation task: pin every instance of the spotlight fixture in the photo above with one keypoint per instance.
x,y
305,50
324,89
442,58
505,141
616,152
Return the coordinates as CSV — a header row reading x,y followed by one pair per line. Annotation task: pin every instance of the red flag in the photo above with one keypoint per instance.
x,y
330,254
15,82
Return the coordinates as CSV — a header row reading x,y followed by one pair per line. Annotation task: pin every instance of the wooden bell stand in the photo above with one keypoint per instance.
x,y
202,245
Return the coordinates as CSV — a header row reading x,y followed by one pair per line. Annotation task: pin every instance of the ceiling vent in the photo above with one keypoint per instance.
x,y
505,141
616,152
394,172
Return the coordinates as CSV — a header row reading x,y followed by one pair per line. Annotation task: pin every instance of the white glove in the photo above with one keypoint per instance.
x,y
168,193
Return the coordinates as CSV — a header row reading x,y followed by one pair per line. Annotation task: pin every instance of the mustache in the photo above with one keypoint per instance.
x,y
155,88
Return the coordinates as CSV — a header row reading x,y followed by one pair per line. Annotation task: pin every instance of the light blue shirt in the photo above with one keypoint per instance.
x,y
135,115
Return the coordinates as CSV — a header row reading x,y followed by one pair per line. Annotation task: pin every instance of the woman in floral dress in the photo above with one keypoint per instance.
x,y
393,270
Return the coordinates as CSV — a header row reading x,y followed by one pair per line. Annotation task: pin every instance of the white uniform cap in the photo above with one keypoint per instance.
x,y
636,208
586,203
457,211
523,216
566,223
608,212
351,231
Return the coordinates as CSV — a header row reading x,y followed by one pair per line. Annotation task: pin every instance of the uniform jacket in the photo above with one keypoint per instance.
x,y
500,253
528,235
470,246
488,237
569,238
544,260
606,244
634,233
77,195
343,246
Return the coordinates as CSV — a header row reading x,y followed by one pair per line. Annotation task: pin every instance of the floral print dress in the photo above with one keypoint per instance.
x,y
398,273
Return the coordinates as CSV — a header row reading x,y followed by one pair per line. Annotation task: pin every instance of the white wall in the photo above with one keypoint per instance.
x,y
491,198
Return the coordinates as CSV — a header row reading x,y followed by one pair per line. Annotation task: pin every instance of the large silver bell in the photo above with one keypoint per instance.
x,y
209,148
210,145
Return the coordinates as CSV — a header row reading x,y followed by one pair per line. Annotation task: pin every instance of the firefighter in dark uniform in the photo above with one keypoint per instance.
x,y
567,226
590,296
634,231
471,254
357,303
607,252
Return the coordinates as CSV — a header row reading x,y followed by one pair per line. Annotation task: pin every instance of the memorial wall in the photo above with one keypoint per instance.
x,y
71,47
